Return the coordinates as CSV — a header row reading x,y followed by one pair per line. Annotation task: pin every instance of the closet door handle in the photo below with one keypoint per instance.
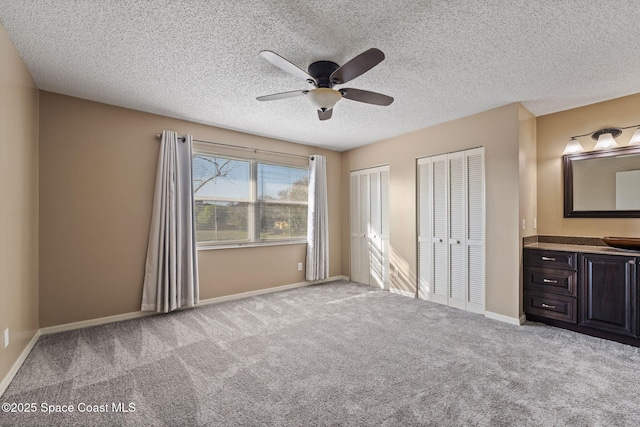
x,y
457,242
439,240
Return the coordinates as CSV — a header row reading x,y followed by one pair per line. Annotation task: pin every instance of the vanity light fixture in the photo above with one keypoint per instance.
x,y
605,137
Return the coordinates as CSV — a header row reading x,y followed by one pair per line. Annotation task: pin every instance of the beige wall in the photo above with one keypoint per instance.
x,y
554,130
19,204
97,171
499,132
528,179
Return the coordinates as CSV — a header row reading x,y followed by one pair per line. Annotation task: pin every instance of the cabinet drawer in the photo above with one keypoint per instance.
x,y
550,259
552,306
555,281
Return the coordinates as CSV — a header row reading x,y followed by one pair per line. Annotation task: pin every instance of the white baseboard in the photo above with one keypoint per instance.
x,y
95,322
248,294
506,319
4,384
138,314
402,292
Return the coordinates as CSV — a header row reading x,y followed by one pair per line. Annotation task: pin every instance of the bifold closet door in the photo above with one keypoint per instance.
x,y
370,226
439,229
451,229
425,240
475,237
457,283
359,228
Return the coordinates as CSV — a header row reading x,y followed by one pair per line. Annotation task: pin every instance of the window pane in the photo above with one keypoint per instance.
x,y
283,183
220,177
283,221
221,221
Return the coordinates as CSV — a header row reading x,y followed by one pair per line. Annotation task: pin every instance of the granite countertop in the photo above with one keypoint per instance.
x,y
589,249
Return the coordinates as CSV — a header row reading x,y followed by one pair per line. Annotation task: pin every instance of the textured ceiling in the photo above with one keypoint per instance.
x,y
198,60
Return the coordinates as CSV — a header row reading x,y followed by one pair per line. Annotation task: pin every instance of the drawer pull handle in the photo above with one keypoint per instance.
x,y
544,258
548,306
549,281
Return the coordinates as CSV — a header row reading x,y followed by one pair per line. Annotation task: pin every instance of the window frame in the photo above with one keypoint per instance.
x,y
253,220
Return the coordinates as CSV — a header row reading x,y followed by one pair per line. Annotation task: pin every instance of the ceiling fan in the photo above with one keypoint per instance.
x,y
326,74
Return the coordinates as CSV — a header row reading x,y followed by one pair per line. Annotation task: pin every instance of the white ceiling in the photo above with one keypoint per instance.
x,y
198,60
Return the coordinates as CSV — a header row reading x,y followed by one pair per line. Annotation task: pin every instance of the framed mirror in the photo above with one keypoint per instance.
x,y
602,184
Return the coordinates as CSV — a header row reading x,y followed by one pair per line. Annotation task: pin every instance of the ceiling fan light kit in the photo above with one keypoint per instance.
x,y
324,98
324,75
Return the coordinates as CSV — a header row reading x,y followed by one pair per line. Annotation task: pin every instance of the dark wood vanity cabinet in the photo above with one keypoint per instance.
x,y
596,294
608,287
550,283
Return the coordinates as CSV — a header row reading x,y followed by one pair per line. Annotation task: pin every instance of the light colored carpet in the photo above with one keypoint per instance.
x,y
332,354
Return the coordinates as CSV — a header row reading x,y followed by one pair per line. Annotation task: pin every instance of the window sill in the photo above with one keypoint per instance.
x,y
251,245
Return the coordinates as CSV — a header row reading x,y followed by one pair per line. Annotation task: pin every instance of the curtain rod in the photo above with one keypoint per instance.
x,y
239,147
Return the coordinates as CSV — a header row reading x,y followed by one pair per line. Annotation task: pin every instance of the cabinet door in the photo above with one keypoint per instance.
x,y
608,293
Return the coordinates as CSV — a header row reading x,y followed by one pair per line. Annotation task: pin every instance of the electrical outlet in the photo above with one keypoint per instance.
x,y
299,266
535,223
523,224
6,338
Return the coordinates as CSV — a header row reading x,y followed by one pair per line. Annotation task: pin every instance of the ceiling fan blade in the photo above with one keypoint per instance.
x,y
326,115
366,96
282,95
357,66
285,65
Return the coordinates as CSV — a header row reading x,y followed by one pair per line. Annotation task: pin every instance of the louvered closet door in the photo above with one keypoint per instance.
x,y
363,192
370,226
451,218
356,233
440,230
425,215
474,162
375,230
457,226
360,228
384,224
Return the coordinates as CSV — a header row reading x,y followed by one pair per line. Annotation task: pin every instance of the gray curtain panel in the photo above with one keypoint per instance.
x,y
171,272
318,221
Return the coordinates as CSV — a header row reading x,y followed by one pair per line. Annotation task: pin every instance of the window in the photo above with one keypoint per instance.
x,y
282,194
248,201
